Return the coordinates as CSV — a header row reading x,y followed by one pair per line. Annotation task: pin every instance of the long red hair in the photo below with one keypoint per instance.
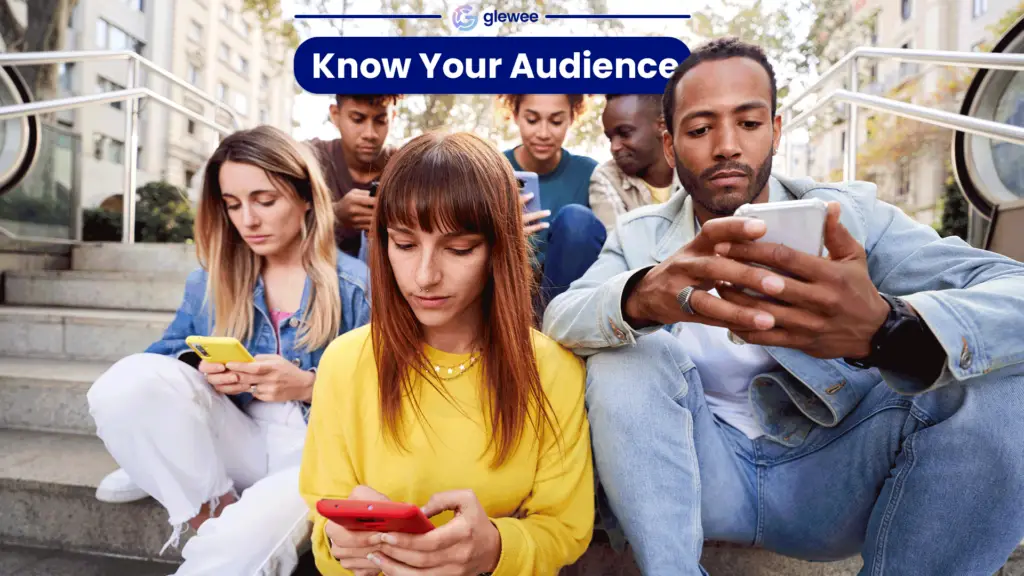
x,y
457,182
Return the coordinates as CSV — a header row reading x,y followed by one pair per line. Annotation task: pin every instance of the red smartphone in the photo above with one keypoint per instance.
x,y
376,516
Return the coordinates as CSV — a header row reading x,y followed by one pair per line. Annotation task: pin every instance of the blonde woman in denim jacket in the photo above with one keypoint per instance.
x,y
219,446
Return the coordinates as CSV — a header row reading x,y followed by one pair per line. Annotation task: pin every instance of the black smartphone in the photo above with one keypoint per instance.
x,y
373,188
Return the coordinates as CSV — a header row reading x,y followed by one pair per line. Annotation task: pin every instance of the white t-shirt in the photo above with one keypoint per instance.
x,y
726,370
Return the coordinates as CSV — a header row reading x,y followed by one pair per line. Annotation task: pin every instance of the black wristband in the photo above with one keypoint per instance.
x,y
904,344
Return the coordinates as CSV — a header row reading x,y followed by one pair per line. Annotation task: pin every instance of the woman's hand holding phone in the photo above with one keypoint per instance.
x,y
468,545
269,378
531,220
352,549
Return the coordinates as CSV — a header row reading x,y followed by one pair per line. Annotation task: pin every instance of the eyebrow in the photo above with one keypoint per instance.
x,y
559,113
252,193
745,107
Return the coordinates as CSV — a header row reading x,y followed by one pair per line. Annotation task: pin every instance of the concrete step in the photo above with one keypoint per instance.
x,y
82,289
117,257
78,333
47,395
25,561
30,261
47,494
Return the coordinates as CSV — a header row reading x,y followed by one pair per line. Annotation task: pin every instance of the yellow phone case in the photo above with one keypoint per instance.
x,y
218,349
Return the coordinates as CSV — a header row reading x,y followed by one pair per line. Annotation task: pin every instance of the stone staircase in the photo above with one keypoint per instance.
x,y
59,330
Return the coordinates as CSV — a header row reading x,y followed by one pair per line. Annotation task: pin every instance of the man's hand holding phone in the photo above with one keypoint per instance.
x,y
467,545
653,298
830,308
355,209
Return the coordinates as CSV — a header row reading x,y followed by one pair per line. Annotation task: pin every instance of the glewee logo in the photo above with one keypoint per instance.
x,y
463,18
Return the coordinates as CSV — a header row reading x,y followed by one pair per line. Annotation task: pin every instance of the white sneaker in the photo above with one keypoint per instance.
x,y
118,488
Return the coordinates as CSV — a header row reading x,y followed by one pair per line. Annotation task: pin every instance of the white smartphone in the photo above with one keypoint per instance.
x,y
799,224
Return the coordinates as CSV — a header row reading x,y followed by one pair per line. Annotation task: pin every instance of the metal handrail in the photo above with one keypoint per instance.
x,y
40,58
132,94
848,64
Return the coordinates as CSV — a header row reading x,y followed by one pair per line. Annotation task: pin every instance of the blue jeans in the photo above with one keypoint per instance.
x,y
932,484
574,240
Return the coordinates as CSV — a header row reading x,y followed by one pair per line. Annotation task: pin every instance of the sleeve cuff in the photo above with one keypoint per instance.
x,y
619,330
511,561
957,342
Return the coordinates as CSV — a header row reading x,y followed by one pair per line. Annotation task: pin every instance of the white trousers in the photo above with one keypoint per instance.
x,y
186,445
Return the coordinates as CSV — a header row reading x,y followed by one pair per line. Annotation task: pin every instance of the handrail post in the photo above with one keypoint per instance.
x,y
131,139
850,166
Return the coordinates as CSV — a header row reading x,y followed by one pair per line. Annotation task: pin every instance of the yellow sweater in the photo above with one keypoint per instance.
x,y
541,499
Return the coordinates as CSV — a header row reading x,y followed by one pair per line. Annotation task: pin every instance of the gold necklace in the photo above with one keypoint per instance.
x,y
449,372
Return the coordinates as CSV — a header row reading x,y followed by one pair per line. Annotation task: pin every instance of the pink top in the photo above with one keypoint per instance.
x,y
276,317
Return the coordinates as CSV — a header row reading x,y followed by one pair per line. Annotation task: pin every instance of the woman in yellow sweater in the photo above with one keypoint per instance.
x,y
449,400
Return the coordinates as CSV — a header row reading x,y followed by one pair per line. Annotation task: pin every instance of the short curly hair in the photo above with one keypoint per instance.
x,y
577,103
371,99
717,49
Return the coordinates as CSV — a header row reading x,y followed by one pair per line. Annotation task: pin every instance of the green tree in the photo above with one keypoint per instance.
x,y
163,214
955,211
44,31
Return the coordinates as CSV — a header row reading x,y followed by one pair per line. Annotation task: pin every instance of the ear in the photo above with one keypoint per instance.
x,y
668,149
335,113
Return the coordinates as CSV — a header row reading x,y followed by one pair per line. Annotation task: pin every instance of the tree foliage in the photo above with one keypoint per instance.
x,y
44,31
163,213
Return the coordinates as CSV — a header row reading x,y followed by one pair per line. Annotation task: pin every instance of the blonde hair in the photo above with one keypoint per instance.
x,y
234,269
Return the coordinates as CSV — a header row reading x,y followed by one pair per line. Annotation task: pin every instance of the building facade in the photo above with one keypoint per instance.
x,y
914,176
209,44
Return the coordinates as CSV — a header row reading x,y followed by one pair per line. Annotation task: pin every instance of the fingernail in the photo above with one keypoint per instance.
x,y
529,195
545,225
772,284
373,558
389,539
754,226
764,321
722,248
376,538
547,212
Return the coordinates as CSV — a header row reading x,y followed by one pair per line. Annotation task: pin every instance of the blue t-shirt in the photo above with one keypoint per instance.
x,y
568,183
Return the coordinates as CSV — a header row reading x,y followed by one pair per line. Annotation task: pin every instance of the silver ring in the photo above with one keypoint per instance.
x,y
684,299
252,389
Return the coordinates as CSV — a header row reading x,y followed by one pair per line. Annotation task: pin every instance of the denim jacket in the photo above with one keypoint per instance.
x,y
194,317
972,299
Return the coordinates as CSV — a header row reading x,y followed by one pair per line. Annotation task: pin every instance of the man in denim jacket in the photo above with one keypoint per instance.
x,y
877,404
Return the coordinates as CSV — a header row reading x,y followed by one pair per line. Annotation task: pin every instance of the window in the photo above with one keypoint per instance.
x,y
191,127
905,8
135,4
222,92
107,85
979,7
246,29
111,37
264,116
195,31
226,14
224,53
99,146
264,81
903,181
842,142
101,33
978,46
243,65
115,151
65,75
241,104
189,175
194,76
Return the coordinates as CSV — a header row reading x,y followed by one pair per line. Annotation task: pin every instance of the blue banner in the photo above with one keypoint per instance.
x,y
488,65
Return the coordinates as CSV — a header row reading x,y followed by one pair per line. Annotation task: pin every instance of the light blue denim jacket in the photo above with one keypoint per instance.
x,y
194,317
973,300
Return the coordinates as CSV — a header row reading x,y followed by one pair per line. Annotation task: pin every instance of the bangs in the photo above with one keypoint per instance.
x,y
443,191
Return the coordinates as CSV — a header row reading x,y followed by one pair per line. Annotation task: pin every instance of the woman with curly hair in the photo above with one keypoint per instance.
x,y
568,244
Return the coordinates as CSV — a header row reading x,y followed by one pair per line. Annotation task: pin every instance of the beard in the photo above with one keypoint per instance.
x,y
726,202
